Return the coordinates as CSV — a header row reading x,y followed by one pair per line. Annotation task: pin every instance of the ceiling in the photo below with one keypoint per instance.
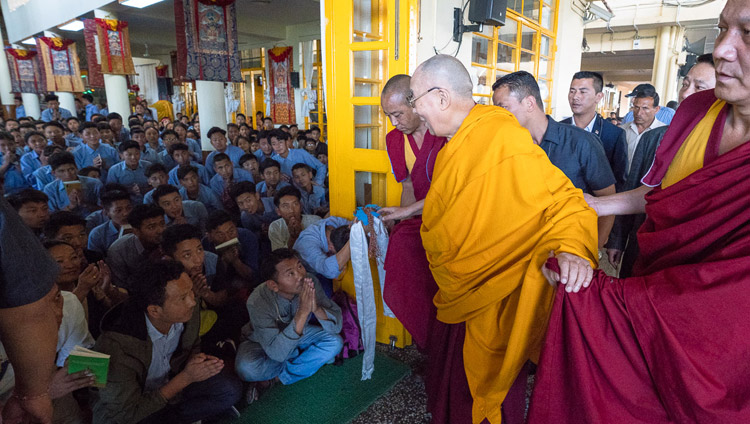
x,y
258,22
622,66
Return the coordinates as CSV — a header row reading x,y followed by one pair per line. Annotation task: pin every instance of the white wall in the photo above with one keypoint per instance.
x,y
40,15
567,58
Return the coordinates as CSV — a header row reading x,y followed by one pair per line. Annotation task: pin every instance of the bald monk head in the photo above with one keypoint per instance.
x,y
441,94
397,109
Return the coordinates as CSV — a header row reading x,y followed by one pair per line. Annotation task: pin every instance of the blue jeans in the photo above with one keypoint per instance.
x,y
316,348
201,400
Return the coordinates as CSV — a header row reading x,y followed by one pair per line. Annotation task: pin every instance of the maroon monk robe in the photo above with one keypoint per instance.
x,y
671,345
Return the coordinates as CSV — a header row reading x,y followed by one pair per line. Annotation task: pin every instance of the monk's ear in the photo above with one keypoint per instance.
x,y
445,99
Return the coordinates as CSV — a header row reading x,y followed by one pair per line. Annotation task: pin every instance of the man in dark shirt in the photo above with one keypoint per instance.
x,y
577,153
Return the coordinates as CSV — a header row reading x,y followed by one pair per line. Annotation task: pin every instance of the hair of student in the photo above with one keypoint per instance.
x,y
646,92
268,269
50,97
315,128
232,125
340,236
169,132
706,58
220,157
85,171
289,190
88,97
302,166
143,212
95,119
240,114
521,85
150,128
177,146
54,124
114,186
247,157
176,234
269,163
49,244
164,190
293,126
114,115
184,170
155,168
241,137
596,78
25,196
321,148
150,284
72,118
134,122
130,144
215,130
61,219
241,188
61,158
30,134
267,118
284,127
103,126
29,125
50,149
111,196
5,135
216,219
87,125
278,134
672,104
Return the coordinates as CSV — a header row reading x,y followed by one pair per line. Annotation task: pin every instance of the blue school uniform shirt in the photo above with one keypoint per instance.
x,y
166,160
203,175
58,197
261,157
102,236
249,248
42,177
234,153
296,156
149,154
312,246
29,163
195,214
206,195
47,114
15,181
314,200
95,219
122,174
91,109
85,155
71,140
20,112
217,182
149,197
195,149
262,189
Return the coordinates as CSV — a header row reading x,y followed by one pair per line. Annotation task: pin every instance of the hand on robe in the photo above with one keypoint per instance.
x,y
575,272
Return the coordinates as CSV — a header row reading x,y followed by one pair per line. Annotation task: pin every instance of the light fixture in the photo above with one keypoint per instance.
x,y
30,41
74,25
140,4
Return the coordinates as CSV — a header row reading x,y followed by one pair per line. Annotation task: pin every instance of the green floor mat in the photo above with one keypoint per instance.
x,y
335,394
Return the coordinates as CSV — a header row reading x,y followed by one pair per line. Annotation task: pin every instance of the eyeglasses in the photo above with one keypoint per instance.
x,y
411,100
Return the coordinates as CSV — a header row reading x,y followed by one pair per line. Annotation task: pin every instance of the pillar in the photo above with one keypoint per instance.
x,y
673,68
6,97
31,105
662,54
67,101
116,86
211,108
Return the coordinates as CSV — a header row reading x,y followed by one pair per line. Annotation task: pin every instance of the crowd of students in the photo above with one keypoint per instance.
x,y
144,229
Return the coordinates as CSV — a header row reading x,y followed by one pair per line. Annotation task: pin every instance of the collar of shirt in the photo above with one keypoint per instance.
x,y
655,124
590,126
174,331
111,227
552,134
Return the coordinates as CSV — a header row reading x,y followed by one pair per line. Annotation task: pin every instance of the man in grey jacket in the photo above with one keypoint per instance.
x,y
283,342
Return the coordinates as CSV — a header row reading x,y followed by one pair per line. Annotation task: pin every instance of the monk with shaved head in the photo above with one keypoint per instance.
x,y
496,210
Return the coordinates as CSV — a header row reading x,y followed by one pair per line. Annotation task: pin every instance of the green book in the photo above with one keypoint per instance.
x,y
81,359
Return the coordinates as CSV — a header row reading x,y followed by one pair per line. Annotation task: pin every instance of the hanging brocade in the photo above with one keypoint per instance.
x,y
59,62
95,77
114,47
280,85
24,71
207,40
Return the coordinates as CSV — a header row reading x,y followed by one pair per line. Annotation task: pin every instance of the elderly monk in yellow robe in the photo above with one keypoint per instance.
x,y
496,210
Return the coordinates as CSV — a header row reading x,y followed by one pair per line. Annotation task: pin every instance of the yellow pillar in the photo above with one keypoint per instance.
x,y
662,53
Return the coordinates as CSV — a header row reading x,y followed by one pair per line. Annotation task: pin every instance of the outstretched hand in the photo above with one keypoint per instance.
x,y
575,272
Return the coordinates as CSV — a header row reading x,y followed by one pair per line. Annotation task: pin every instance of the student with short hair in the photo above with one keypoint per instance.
x,y
225,174
156,371
195,148
191,188
168,139
31,206
157,176
250,163
180,153
93,152
131,172
83,198
71,228
244,257
253,215
30,162
178,211
284,231
106,135
233,131
121,133
283,342
54,132
11,174
91,172
116,205
265,150
322,247
73,126
271,183
313,196
128,254
43,176
219,141
89,106
243,142
147,152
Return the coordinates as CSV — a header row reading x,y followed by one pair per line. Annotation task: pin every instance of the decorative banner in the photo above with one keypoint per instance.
x,y
60,65
114,47
95,77
280,85
24,71
207,40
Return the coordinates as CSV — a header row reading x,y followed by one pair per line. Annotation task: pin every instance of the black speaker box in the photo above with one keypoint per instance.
x,y
488,12
294,77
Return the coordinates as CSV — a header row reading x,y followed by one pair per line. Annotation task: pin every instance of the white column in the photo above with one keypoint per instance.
x,y
67,101
31,105
5,95
211,109
661,59
116,86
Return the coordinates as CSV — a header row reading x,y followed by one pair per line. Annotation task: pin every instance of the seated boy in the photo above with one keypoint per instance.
x,y
80,196
117,206
71,228
323,249
32,207
287,157
131,172
192,189
181,155
91,172
157,176
54,132
265,150
226,174
253,215
283,343
30,161
169,138
147,152
313,196
250,163
43,176
106,134
178,211
284,231
242,258
267,188
10,168
156,371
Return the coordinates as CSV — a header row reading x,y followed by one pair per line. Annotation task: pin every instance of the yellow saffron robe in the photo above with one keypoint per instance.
x,y
496,208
